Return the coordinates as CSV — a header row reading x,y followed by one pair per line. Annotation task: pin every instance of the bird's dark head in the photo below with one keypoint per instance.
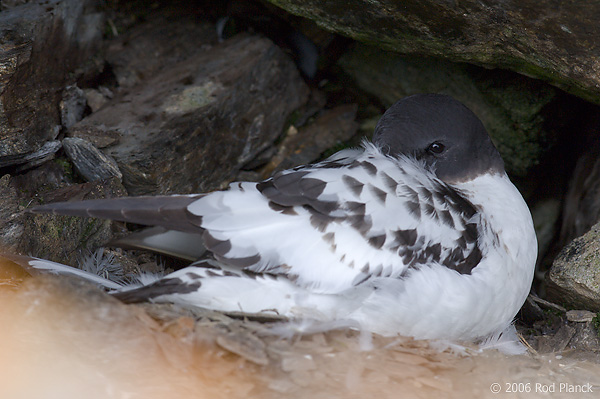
x,y
441,132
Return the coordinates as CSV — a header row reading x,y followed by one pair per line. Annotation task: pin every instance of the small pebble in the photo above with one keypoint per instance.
x,y
580,316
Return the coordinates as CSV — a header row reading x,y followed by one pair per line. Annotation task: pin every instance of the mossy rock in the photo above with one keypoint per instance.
x,y
509,105
574,279
555,42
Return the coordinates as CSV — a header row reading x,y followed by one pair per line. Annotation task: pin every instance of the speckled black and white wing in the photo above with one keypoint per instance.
x,y
326,227
333,225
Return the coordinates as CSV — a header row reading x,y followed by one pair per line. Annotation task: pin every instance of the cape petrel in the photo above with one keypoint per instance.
x,y
419,233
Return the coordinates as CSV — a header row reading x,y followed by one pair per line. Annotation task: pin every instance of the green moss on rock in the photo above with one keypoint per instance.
x,y
509,105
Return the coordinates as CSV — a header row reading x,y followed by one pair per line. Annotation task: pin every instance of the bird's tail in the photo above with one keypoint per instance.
x,y
166,211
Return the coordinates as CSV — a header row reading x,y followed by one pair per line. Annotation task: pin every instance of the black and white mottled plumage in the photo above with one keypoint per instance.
x,y
419,233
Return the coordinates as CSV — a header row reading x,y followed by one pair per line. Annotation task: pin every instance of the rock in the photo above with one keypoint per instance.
x,y
580,336
11,226
307,144
558,43
586,338
98,137
202,117
96,98
72,106
67,239
17,193
43,179
163,41
41,47
8,4
557,342
509,105
91,163
574,278
58,238
580,316
36,158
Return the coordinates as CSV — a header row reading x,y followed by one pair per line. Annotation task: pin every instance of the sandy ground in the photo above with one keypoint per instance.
x,y
63,339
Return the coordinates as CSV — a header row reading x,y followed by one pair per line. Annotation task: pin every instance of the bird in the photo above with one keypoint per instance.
x,y
419,232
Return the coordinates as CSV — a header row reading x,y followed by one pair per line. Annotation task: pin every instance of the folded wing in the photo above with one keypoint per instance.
x,y
327,227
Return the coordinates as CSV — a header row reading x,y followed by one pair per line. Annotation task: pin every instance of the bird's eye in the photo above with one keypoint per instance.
x,y
436,148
